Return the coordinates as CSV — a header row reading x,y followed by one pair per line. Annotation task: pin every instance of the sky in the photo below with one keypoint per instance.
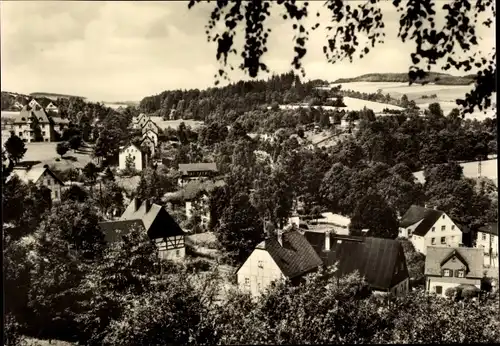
x,y
124,51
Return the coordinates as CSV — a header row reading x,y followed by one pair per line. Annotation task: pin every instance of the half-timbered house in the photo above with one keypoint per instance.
x,y
159,225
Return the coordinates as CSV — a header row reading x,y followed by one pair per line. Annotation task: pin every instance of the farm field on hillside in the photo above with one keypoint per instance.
x,y
352,104
174,124
46,154
446,95
488,170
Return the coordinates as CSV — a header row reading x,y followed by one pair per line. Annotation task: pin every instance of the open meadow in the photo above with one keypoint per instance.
x,y
488,170
446,94
45,154
352,104
174,124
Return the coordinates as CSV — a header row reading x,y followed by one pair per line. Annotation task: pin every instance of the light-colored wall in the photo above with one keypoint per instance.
x,y
447,282
452,234
175,254
134,152
483,241
48,181
259,278
403,232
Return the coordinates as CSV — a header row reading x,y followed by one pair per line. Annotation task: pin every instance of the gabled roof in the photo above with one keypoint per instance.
x,y
34,174
374,258
157,221
296,257
471,256
151,121
196,167
114,230
125,147
490,228
426,216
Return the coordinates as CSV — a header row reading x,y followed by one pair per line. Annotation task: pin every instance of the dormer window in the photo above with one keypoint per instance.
x,y
446,272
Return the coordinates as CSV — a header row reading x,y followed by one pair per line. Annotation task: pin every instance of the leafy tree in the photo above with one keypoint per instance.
x,y
62,148
90,171
15,148
240,228
75,193
75,142
431,46
153,185
415,261
373,213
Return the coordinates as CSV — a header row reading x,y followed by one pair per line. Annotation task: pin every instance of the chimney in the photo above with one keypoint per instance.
x,y
327,240
147,204
279,236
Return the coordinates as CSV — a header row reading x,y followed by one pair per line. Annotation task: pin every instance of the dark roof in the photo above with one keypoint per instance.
x,y
416,213
114,230
437,256
296,257
374,258
197,167
157,221
490,228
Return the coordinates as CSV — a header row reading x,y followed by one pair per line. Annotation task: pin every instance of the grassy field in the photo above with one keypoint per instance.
x,y
352,104
45,154
488,170
446,94
174,124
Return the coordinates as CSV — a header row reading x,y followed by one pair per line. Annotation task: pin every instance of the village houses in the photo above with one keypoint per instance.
x,y
41,176
294,253
452,267
196,171
430,227
132,155
153,219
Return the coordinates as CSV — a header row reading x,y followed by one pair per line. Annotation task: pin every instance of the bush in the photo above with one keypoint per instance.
x,y
450,292
468,293
12,336
198,264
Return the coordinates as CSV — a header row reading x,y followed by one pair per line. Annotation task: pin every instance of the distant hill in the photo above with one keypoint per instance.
x,y
54,96
432,77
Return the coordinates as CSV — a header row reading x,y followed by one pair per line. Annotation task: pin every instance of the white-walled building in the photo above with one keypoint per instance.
x,y
134,154
41,176
151,134
429,227
487,239
451,267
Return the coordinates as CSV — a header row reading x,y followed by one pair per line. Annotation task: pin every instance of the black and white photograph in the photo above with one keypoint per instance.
x,y
249,172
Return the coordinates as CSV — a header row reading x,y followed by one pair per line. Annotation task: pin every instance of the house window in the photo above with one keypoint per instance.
x,y
433,229
247,281
461,274
443,240
446,272
439,289
443,228
484,236
20,133
261,264
433,241
452,227
56,193
443,216
177,253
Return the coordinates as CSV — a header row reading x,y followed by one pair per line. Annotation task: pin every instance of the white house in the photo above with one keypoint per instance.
x,y
41,176
451,267
150,125
151,134
148,142
51,107
487,239
286,255
160,227
133,154
429,227
34,103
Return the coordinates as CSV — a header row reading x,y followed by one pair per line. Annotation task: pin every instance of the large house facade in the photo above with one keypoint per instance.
x,y
132,155
451,267
41,176
429,227
292,254
196,171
